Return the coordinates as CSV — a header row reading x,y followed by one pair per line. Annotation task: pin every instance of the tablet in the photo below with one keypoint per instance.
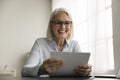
x,y
71,61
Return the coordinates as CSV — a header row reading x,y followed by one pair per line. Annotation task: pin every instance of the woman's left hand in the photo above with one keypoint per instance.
x,y
84,70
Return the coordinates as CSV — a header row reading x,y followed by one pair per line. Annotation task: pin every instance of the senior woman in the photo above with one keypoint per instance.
x,y
58,38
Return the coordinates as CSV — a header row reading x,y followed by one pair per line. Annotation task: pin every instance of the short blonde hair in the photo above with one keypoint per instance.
x,y
50,34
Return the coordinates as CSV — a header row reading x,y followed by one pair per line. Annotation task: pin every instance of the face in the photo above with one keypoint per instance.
x,y
61,26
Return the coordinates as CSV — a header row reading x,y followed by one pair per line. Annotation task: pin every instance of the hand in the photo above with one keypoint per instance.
x,y
84,70
51,65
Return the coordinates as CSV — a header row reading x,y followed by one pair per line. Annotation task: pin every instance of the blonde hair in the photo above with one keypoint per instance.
x,y
50,34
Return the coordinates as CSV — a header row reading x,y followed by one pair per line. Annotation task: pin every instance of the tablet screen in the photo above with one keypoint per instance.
x,y
71,61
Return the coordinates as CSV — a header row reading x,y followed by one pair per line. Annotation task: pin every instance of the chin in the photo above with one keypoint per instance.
x,y
62,37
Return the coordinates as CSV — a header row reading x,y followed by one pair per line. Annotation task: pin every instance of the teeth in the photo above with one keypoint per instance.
x,y
62,31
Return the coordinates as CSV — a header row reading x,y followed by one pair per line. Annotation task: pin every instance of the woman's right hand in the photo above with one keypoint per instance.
x,y
51,65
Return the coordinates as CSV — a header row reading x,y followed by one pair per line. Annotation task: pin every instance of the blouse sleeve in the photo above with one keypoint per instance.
x,y
33,63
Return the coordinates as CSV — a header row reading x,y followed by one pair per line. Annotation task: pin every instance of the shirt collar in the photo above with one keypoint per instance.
x,y
53,43
67,43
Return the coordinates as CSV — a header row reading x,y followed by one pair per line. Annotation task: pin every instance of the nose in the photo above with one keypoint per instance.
x,y
63,25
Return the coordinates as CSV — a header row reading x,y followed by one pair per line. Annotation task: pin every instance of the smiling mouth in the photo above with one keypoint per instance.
x,y
62,31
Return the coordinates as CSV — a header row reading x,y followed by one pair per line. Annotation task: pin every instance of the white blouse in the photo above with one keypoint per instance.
x,y
41,51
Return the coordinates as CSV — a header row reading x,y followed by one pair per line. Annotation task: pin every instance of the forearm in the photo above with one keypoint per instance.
x,y
30,71
42,71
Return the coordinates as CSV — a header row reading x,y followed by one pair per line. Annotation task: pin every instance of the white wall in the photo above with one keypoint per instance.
x,y
21,22
116,32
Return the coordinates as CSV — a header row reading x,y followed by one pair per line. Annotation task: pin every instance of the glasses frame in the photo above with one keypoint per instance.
x,y
59,23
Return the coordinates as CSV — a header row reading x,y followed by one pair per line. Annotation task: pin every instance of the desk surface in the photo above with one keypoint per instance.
x,y
70,78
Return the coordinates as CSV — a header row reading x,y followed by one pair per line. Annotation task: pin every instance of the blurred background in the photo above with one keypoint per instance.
x,y
96,28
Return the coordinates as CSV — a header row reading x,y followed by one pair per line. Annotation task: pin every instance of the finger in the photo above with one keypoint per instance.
x,y
85,71
53,64
59,65
86,66
89,66
52,60
51,69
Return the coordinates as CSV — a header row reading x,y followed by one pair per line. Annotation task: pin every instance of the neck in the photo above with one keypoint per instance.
x,y
60,44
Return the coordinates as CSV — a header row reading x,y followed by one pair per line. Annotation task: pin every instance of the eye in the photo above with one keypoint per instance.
x,y
67,22
58,22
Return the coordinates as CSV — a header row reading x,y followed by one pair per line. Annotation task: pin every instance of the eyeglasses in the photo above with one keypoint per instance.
x,y
60,23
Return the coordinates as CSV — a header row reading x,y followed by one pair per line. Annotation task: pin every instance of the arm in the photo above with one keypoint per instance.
x,y
32,65
83,70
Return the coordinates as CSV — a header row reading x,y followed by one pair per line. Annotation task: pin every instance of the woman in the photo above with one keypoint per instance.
x,y
59,36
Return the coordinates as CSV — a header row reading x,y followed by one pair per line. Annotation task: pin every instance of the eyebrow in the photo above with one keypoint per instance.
x,y
61,20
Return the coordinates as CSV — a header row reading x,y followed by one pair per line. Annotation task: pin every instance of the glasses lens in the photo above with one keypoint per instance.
x,y
60,23
67,23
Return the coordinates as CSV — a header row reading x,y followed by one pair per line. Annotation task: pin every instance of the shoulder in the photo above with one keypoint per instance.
x,y
41,40
75,45
73,42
